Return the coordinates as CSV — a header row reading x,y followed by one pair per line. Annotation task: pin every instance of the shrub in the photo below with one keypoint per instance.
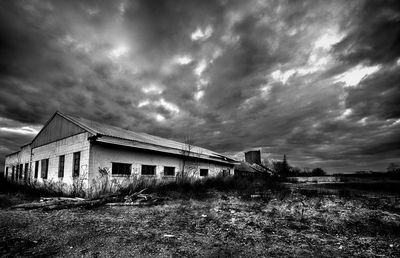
x,y
199,188
196,188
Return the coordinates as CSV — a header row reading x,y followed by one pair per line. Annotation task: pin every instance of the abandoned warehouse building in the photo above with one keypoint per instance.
x,y
69,148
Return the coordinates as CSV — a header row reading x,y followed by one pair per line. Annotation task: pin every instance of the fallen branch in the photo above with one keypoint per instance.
x,y
75,199
58,203
132,203
86,204
30,206
122,204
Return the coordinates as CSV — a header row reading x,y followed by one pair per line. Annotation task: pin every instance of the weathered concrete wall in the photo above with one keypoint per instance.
x,y
94,156
10,162
67,147
102,156
14,160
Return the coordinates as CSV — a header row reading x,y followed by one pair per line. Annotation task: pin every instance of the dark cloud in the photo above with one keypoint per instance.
x,y
374,34
378,95
231,75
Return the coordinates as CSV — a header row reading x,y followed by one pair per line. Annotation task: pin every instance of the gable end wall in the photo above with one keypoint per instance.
x,y
58,128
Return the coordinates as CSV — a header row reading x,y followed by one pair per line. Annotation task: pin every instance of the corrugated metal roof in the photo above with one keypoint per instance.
x,y
113,131
248,167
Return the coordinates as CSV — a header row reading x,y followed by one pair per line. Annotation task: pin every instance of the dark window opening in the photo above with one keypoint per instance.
x,y
36,168
76,164
169,171
226,172
203,172
61,162
26,171
17,172
21,168
6,172
45,168
121,169
148,170
13,173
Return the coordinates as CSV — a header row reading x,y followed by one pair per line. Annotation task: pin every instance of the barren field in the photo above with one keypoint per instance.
x,y
296,224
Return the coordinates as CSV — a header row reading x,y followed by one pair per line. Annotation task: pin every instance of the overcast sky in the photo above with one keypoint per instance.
x,y
315,80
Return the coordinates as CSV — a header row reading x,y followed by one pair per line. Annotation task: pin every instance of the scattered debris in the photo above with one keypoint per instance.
x,y
294,226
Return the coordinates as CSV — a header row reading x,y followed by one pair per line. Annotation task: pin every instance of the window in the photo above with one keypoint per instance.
x,y
36,168
6,172
226,172
148,170
21,167
61,162
26,172
76,164
17,172
45,168
203,172
12,173
169,171
121,169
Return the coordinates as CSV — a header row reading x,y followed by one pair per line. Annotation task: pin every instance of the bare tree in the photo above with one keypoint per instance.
x,y
190,162
393,167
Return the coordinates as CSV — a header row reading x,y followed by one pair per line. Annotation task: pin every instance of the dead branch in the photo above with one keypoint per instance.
x,y
47,199
115,199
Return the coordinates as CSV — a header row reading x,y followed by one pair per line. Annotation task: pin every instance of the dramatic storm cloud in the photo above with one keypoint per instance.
x,y
315,80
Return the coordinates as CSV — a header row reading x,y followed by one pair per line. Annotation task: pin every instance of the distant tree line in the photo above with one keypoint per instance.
x,y
393,168
283,169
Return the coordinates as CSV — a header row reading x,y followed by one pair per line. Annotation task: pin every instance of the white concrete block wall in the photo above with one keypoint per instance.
x,y
11,160
214,169
103,156
24,158
21,157
136,168
67,147
94,156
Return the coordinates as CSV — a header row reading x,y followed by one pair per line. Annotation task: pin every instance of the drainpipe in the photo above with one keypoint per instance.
x,y
30,165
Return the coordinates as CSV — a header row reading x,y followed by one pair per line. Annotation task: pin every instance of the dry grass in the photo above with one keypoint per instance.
x,y
221,225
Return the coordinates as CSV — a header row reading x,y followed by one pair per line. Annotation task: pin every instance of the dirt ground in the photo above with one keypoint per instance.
x,y
294,225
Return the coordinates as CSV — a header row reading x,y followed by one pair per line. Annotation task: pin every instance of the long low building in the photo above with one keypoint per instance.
x,y
70,151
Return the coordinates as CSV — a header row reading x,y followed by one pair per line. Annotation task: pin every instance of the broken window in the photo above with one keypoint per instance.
x,y
61,162
26,171
36,168
148,170
45,168
20,170
121,169
169,171
76,164
203,172
226,172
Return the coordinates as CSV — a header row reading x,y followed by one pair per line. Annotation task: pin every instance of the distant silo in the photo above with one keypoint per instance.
x,y
253,157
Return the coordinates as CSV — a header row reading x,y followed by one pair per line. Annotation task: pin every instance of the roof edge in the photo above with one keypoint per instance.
x,y
218,158
13,153
87,129
72,120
